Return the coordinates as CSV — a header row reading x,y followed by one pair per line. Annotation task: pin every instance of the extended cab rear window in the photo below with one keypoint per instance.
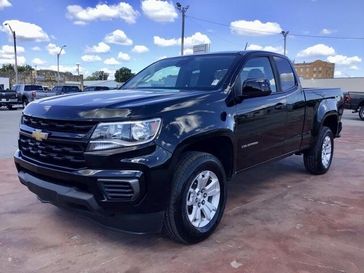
x,y
286,74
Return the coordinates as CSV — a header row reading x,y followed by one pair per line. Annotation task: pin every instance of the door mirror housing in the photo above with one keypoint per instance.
x,y
252,88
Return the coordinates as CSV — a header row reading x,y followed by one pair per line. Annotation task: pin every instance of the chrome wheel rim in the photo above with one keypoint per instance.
x,y
326,152
203,199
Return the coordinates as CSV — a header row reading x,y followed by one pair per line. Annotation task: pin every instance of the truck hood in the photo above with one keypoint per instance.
x,y
114,104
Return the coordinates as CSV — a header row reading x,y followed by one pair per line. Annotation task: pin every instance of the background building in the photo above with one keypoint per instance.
x,y
346,84
4,83
43,77
315,70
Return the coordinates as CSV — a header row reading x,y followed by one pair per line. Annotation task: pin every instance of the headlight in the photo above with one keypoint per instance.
x,y
123,134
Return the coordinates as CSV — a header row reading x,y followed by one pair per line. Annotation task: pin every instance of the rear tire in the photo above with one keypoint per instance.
x,y
318,159
25,101
361,112
10,107
198,198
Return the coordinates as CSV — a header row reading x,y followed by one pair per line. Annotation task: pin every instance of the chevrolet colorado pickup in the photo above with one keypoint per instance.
x,y
157,154
355,102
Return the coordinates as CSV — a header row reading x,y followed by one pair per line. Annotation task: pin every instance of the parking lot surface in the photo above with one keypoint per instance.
x,y
278,219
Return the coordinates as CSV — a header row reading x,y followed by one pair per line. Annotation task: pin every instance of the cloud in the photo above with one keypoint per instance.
x,y
277,49
111,61
188,51
82,16
118,37
159,41
124,56
344,60
354,67
99,48
26,31
254,28
338,74
317,50
326,31
91,58
4,4
53,49
20,59
38,61
36,48
7,55
195,39
140,49
7,49
159,10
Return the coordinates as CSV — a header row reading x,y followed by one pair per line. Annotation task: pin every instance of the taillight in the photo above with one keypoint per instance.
x,y
34,94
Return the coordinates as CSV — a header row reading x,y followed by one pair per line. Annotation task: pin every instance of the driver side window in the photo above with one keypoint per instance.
x,y
258,68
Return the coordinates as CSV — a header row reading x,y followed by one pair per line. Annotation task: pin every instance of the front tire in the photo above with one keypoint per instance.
x,y
198,198
10,107
25,101
318,159
361,112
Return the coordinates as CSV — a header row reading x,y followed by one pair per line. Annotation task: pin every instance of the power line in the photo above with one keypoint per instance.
x,y
277,33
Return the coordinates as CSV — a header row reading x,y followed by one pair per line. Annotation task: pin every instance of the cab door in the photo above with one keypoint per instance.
x,y
259,122
296,104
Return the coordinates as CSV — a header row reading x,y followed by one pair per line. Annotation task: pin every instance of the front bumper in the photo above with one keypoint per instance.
x,y
6,102
83,191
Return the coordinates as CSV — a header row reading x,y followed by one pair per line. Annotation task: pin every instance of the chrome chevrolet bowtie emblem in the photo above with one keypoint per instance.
x,y
39,135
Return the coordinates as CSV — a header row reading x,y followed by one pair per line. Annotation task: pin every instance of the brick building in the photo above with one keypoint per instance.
x,y
315,70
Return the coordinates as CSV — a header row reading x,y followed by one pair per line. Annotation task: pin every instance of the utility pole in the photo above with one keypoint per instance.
x,y
78,69
285,34
15,55
58,54
183,12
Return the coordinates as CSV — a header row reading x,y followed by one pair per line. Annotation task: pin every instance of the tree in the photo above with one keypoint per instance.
x,y
21,68
123,74
97,76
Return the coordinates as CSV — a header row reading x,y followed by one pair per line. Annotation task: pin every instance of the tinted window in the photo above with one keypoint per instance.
x,y
33,87
189,72
286,74
258,68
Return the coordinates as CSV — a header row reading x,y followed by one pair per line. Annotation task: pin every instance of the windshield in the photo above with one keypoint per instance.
x,y
206,72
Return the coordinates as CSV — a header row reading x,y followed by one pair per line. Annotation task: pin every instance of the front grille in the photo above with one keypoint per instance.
x,y
69,155
58,125
117,190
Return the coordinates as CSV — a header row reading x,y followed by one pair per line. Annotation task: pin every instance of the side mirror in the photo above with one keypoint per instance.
x,y
252,88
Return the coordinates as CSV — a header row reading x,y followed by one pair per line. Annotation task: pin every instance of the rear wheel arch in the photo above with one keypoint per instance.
x,y
332,122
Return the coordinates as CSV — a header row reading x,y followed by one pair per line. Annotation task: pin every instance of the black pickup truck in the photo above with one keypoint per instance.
x,y
157,154
8,98
355,101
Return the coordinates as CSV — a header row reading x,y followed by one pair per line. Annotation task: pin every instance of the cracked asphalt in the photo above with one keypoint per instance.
x,y
278,219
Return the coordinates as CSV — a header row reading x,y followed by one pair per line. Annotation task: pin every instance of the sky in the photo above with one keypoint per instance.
x,y
107,35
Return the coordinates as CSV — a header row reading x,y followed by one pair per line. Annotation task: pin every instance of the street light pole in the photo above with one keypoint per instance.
x,y
58,54
285,34
15,54
183,12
